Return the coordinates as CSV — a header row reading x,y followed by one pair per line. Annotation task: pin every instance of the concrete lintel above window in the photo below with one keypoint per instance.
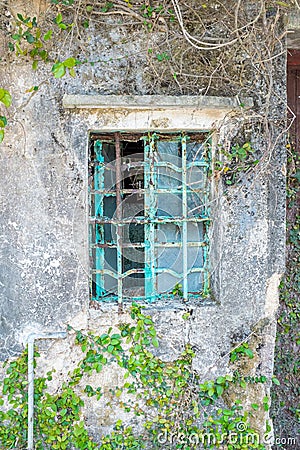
x,y
153,102
155,112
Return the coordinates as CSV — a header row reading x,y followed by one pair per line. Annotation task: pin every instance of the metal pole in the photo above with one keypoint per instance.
x,y
31,338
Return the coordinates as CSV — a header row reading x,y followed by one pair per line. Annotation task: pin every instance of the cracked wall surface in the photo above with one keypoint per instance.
x,y
44,266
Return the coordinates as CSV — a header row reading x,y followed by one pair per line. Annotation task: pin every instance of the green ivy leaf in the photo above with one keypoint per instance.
x,y
48,35
276,381
5,97
30,38
249,353
220,380
58,18
44,55
284,4
219,390
70,62
233,357
1,139
20,17
155,342
58,70
118,393
3,121
16,37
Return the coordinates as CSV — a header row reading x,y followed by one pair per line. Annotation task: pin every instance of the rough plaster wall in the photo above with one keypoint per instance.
x,y
42,279
43,240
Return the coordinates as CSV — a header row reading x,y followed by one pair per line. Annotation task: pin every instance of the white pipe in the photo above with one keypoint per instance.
x,y
30,340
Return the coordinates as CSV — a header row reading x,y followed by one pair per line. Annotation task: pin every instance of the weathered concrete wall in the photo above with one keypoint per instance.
x,y
44,267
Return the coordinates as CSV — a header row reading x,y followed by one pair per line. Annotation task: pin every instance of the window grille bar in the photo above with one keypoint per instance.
x,y
156,220
206,224
142,245
184,223
142,191
206,280
179,169
156,271
119,216
149,211
99,234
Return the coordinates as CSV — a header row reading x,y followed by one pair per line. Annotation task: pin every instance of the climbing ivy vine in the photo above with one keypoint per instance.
x,y
166,403
5,99
285,395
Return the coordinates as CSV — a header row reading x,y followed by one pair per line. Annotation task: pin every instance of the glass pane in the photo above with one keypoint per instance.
x,y
168,232
169,151
133,258
168,154
195,151
92,234
132,170
132,205
169,259
195,282
109,177
169,205
133,284
109,173
133,233
195,204
166,282
195,257
108,151
96,203
110,259
109,208
110,263
195,231
110,285
195,177
168,178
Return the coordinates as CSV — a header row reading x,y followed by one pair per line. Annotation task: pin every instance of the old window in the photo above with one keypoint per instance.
x,y
148,216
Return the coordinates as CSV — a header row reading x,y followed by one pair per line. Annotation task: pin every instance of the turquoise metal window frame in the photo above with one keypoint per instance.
x,y
98,192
